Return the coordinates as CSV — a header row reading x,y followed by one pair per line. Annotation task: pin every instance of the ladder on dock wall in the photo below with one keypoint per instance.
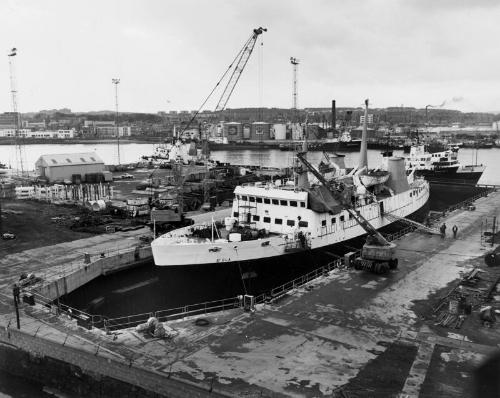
x,y
416,224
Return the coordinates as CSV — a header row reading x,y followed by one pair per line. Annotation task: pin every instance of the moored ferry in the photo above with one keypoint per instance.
x,y
442,166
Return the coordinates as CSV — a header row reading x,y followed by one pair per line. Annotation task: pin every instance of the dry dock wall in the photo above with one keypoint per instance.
x,y
85,371
83,274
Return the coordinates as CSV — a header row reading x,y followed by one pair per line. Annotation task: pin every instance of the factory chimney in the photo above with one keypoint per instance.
x,y
334,115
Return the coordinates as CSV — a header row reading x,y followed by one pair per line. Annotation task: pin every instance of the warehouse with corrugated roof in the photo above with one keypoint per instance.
x,y
74,167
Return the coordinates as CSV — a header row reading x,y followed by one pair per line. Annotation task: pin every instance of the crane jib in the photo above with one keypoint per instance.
x,y
370,229
241,57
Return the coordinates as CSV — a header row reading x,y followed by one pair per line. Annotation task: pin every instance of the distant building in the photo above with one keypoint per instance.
x,y
96,123
25,133
64,133
112,131
73,167
8,120
11,132
39,134
34,125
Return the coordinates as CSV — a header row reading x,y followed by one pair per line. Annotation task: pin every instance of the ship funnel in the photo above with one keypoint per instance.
x,y
363,156
301,174
398,182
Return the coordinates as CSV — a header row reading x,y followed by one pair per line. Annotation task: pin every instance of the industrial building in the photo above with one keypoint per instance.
x,y
8,120
74,167
109,131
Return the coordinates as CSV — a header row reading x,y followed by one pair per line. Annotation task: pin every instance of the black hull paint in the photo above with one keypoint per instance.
x,y
324,146
450,176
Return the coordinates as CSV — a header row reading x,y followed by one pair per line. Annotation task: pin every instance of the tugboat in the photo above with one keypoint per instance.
x,y
288,220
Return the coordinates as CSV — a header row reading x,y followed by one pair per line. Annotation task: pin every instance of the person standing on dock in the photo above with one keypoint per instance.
x,y
455,230
442,229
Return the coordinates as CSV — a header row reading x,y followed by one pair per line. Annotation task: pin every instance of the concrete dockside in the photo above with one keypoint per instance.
x,y
348,332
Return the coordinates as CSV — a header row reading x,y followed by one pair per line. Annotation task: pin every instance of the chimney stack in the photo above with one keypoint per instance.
x,y
334,115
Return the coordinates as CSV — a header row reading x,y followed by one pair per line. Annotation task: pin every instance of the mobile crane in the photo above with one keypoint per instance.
x,y
377,254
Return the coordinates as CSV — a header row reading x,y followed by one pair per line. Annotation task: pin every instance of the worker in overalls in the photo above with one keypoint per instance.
x,y
455,230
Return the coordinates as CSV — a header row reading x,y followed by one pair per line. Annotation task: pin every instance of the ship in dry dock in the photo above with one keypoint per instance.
x,y
284,220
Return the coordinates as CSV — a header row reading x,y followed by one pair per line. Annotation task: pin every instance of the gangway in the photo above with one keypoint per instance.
x,y
419,226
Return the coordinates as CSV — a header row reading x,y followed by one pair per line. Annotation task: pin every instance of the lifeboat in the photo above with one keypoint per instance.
x,y
374,177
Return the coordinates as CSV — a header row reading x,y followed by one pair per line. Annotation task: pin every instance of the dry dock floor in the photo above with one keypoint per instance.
x,y
348,334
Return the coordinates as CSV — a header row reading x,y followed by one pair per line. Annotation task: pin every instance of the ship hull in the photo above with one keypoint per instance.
x,y
343,146
454,175
318,256
278,248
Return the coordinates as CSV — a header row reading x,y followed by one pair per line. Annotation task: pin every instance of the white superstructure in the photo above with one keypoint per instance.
x,y
420,159
282,221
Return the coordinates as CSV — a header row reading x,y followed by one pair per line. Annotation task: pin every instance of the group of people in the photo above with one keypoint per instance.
x,y
442,229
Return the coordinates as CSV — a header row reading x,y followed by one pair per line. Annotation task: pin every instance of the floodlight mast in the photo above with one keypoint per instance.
x,y
116,81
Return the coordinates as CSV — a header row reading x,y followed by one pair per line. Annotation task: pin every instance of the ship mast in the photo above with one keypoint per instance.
x,y
363,156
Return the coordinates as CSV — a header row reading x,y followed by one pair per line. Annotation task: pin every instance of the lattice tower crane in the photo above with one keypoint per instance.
x,y
295,65
235,69
13,90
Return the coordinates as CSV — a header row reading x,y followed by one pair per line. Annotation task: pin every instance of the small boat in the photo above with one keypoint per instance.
x,y
374,177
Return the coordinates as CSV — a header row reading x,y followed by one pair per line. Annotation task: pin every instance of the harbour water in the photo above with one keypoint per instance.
x,y
132,152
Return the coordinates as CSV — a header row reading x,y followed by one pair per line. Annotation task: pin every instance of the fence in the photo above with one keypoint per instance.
x,y
83,318
173,313
468,202
297,282
400,233
67,269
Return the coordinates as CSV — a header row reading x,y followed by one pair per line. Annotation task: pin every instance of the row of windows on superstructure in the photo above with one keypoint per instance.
x,y
291,223
267,201
415,191
277,221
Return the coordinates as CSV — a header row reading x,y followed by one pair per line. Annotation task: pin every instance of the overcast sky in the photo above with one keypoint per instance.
x,y
169,54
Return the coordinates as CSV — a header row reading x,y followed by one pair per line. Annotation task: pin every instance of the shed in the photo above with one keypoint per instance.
x,y
75,167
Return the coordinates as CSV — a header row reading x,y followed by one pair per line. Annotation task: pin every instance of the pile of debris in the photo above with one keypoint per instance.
x,y
475,292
